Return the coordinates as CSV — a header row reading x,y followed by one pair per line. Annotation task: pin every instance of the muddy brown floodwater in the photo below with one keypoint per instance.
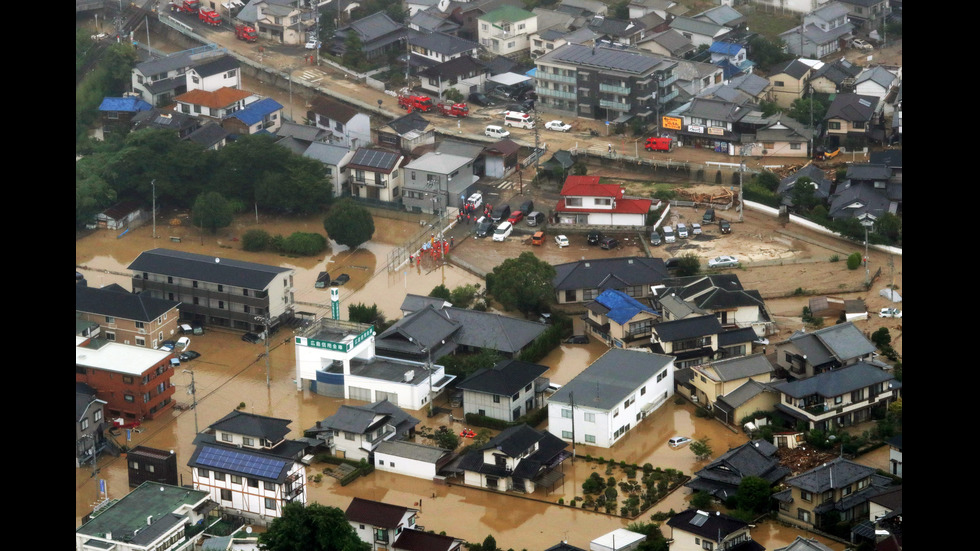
x,y
231,373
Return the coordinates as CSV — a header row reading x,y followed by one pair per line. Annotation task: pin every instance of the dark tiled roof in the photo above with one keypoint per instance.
x,y
201,267
407,123
364,419
852,107
416,540
249,424
842,342
376,513
218,65
121,304
609,273
837,382
756,458
698,326
831,475
503,379
332,109
736,336
710,525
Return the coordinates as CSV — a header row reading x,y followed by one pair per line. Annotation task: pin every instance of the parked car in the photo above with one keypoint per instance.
x,y
678,441
671,263
503,231
890,313
725,226
609,243
534,218
669,235
484,226
557,126
198,328
167,345
526,207
516,217
594,237
723,262
188,355
577,339
500,214
682,231
709,216
561,241
495,131
475,200
862,45
537,238
251,338
186,329
655,239
183,343
480,99
313,44
695,228
341,279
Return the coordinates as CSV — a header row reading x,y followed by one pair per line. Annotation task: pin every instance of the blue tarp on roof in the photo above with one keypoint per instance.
x,y
124,104
622,307
725,48
257,111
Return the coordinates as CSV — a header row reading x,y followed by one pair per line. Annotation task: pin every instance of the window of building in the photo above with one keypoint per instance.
x,y
225,495
566,413
219,477
235,479
616,412
806,496
140,341
496,398
129,398
589,417
84,423
203,473
803,515
590,439
97,415
128,379
573,201
110,319
643,390
253,483
226,437
246,441
833,125
566,434
795,146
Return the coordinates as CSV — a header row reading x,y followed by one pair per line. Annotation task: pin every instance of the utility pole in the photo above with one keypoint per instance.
x,y
153,184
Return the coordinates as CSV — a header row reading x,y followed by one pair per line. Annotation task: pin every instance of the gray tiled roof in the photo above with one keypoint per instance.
x,y
838,382
259,426
733,369
504,378
612,378
843,342
852,107
360,419
609,273
201,267
611,59
121,304
834,474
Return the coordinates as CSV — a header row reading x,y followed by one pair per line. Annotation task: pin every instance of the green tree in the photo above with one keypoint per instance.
x,y
882,338
580,168
889,226
447,440
313,527
753,494
441,291
804,194
463,295
453,95
655,539
854,261
701,500
523,283
256,240
701,449
349,224
688,265
211,211
304,244
361,313
767,53
353,57
620,10
799,110
767,179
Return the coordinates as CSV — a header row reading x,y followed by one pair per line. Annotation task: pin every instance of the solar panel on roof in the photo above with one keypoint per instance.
x,y
374,158
236,461
699,518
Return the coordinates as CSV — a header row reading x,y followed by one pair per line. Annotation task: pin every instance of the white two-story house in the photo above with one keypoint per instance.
x,y
247,466
520,459
507,30
584,201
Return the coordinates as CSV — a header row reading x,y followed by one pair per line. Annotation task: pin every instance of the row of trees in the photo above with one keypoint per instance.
x,y
250,172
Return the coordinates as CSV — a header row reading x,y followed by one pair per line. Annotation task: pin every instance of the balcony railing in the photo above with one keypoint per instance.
x,y
621,90
555,78
614,105
555,93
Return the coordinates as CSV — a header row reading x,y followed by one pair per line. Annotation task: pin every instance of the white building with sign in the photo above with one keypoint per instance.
x,y
337,358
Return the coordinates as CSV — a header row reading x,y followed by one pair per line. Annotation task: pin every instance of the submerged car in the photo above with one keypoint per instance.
x,y
577,339
678,441
561,241
341,279
189,355
251,338
723,262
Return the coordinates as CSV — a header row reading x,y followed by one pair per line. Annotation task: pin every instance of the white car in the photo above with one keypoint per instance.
x,y
561,241
678,441
723,262
558,126
695,229
890,313
312,44
503,231
476,200
862,45
183,343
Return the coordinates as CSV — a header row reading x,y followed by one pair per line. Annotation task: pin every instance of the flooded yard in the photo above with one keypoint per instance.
x,y
232,374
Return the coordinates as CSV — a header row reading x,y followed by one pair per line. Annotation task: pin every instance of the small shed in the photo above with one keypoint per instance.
x,y
617,540
501,158
120,215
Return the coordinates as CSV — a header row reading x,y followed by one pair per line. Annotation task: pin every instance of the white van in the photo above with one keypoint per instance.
x,y
495,131
520,120
669,236
682,231
503,231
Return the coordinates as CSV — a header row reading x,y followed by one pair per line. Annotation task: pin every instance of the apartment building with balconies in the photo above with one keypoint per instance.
x,y
605,83
127,318
134,382
218,291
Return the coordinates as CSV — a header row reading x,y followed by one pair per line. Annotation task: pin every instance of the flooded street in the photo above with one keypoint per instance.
x,y
231,373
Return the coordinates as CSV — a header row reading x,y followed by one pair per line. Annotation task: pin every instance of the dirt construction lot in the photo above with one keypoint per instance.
x,y
787,264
